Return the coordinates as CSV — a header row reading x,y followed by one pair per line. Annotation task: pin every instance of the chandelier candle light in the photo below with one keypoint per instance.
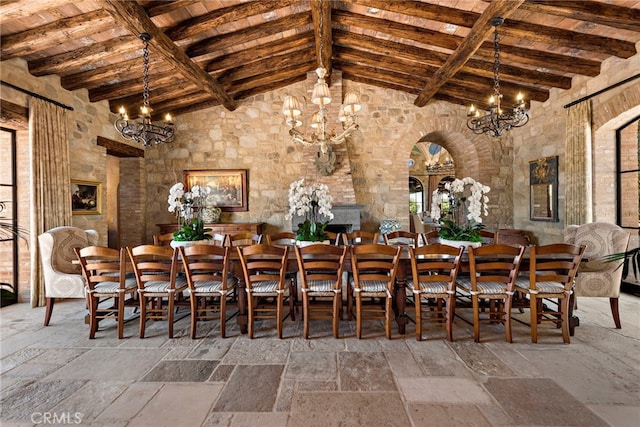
x,y
498,119
144,130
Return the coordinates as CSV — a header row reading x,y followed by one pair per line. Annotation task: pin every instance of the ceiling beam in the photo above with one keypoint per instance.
x,y
611,15
133,17
321,14
479,32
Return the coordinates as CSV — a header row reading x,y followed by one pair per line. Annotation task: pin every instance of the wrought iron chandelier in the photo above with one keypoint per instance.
x,y
321,97
498,119
144,130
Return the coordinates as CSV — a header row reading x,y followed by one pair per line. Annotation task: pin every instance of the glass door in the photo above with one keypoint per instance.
x,y
8,219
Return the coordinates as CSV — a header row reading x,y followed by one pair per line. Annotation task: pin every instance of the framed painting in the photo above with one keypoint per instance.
x,y
543,188
228,187
86,197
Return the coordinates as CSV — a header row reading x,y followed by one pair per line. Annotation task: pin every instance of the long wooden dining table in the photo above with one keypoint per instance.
x,y
399,294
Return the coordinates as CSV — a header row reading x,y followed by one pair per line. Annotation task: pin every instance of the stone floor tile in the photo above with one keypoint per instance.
x,y
260,396
110,365
311,365
616,415
443,390
540,401
437,359
262,419
364,372
443,414
222,373
218,419
211,348
19,357
91,399
258,351
347,409
178,404
181,371
318,344
285,394
480,359
35,396
316,385
129,403
403,364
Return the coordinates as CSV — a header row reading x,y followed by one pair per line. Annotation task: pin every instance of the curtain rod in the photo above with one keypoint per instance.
x,y
35,95
613,86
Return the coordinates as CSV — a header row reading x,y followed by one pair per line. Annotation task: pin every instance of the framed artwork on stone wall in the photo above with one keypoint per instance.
x,y
543,188
86,197
228,187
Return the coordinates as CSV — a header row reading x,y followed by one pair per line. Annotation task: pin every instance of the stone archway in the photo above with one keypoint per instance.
x,y
486,159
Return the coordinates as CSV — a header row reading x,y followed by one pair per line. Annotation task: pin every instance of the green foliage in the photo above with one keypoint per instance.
x,y
194,231
312,231
413,207
451,230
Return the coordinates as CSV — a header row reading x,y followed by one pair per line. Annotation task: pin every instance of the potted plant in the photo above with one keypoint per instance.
x,y
188,208
313,202
467,203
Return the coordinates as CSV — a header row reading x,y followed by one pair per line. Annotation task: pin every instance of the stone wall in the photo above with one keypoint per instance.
x,y
545,136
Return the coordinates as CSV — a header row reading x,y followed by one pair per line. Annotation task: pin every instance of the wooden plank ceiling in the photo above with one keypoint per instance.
x,y
219,52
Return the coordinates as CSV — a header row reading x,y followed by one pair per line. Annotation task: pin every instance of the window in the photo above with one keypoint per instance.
x,y
416,195
8,219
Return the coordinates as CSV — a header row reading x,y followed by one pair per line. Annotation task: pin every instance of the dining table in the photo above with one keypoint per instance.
x,y
399,295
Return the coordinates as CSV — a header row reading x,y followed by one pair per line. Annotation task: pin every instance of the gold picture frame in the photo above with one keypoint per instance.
x,y
86,197
543,189
229,187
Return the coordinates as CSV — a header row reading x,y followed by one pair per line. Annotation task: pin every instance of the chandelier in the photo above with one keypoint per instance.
x,y
498,119
144,130
322,97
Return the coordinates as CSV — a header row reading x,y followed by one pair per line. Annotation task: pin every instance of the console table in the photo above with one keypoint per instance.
x,y
220,228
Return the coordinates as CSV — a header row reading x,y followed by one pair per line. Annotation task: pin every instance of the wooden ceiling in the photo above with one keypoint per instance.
x,y
219,52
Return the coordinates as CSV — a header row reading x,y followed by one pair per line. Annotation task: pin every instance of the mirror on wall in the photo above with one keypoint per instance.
x,y
543,187
429,164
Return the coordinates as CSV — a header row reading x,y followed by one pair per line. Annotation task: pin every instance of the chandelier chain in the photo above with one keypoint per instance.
x,y
496,64
145,74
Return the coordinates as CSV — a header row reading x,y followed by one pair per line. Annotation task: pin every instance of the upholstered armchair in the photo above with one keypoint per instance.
x,y
596,277
63,277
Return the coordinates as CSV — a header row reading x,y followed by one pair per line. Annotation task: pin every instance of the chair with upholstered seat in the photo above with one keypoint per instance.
x,y
207,270
374,269
156,269
492,276
321,269
431,237
162,239
243,238
434,271
359,237
596,277
283,238
403,238
552,269
63,277
264,268
107,274
218,239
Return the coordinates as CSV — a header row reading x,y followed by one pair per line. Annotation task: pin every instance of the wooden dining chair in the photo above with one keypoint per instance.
x,y
106,274
218,239
162,239
156,269
402,237
359,237
264,268
210,282
431,237
552,270
243,238
283,238
434,271
321,268
493,272
334,238
374,269
488,237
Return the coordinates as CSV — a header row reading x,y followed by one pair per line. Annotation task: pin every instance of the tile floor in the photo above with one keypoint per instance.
x,y
55,374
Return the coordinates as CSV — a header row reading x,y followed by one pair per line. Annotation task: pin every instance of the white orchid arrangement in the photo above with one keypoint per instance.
x,y
468,196
311,201
187,207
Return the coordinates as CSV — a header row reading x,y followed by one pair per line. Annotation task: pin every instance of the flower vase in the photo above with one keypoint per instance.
x,y
177,243
211,215
458,243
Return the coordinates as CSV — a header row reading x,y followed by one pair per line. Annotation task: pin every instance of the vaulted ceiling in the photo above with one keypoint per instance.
x,y
219,52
